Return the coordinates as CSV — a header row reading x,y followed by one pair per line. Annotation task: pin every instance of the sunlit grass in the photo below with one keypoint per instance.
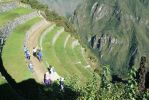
x,y
12,14
64,59
13,55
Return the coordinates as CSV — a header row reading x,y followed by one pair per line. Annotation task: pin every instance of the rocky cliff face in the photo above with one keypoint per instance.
x,y
116,30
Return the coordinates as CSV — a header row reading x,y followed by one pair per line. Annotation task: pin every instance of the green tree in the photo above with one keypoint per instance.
x,y
131,89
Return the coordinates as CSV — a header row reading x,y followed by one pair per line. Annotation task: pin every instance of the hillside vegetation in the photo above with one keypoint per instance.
x,y
50,15
115,30
8,16
13,50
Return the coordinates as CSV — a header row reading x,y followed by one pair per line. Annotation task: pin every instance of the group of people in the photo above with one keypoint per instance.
x,y
48,76
53,76
27,56
36,53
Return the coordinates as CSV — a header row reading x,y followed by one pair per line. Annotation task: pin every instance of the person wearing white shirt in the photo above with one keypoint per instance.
x,y
34,52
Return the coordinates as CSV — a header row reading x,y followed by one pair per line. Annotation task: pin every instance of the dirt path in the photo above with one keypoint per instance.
x,y
44,34
34,36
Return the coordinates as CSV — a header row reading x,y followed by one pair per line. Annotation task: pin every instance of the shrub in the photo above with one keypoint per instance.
x,y
50,15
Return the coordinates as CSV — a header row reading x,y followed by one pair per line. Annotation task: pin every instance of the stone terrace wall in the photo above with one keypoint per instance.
x,y
8,6
35,26
7,29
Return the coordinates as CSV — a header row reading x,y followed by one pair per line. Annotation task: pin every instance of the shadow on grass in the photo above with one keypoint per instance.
x,y
31,90
116,79
147,80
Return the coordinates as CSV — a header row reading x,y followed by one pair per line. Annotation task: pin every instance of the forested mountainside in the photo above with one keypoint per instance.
x,y
116,30
63,7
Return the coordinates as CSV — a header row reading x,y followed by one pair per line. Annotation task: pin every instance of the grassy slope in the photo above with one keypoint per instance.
x,y
4,1
63,59
13,56
12,14
68,64
76,56
49,52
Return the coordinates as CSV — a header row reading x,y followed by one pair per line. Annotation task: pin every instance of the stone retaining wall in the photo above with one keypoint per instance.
x,y
7,29
8,6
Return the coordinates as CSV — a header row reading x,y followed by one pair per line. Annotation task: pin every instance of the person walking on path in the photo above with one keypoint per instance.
x,y
25,49
61,82
30,66
47,79
39,55
34,52
52,70
27,54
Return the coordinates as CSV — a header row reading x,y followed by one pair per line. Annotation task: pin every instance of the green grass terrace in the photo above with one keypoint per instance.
x,y
13,55
5,17
66,60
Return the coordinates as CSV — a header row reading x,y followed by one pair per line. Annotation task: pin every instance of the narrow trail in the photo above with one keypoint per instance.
x,y
33,40
45,33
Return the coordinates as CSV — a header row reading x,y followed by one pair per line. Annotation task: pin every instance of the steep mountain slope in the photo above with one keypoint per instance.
x,y
116,30
63,7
